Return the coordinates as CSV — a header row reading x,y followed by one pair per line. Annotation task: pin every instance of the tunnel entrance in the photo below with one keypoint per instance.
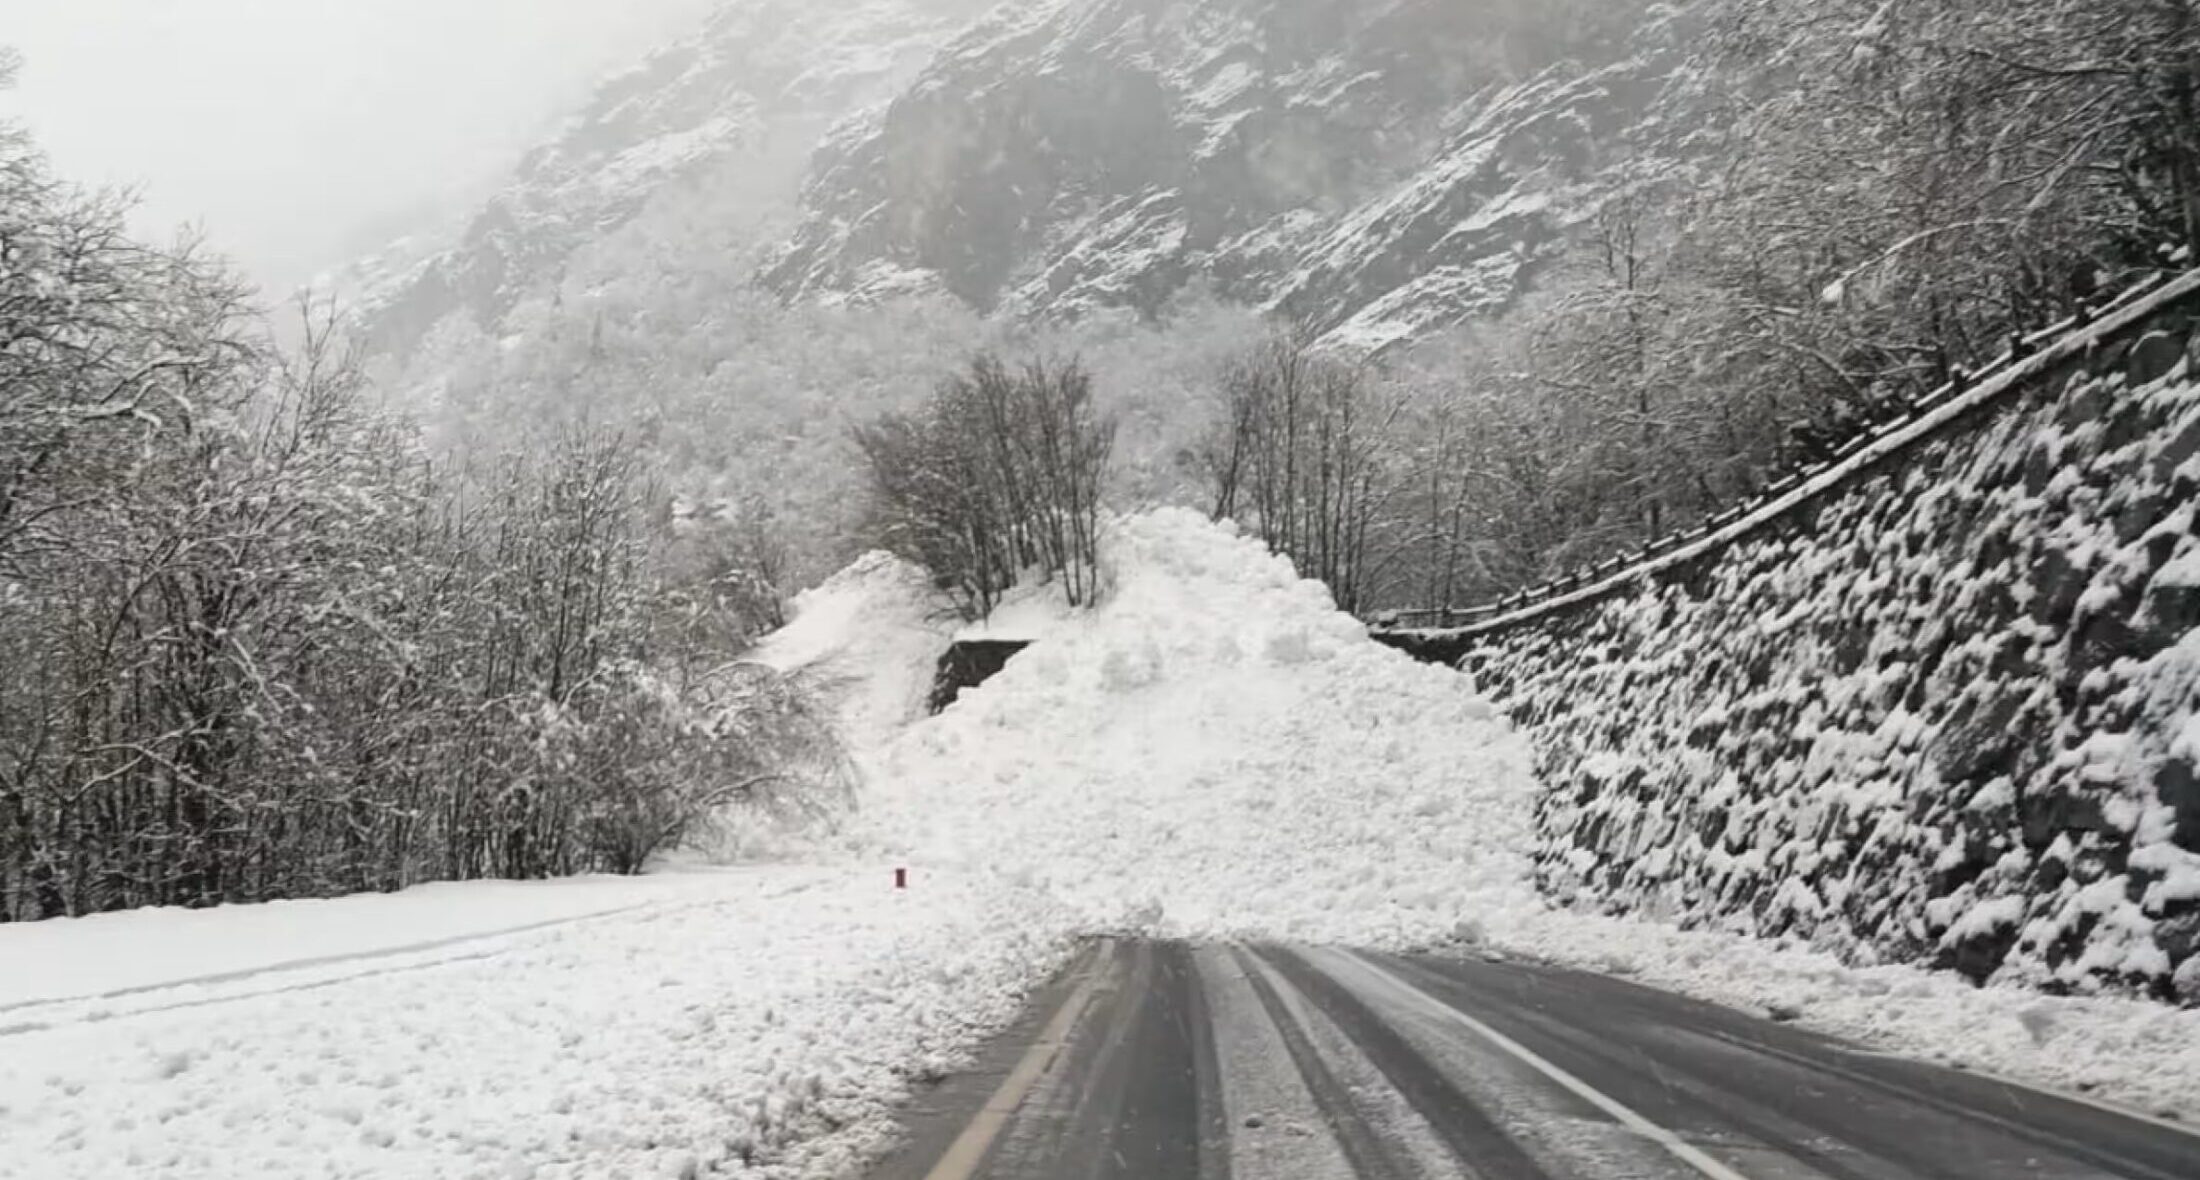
x,y
967,664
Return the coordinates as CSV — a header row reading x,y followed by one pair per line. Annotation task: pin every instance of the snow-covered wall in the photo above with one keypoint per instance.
x,y
1946,708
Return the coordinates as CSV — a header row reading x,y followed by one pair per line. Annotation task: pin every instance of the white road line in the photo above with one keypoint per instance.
x,y
2137,1114
1679,1148
963,1156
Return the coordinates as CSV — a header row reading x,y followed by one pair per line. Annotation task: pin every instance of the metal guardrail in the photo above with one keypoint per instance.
x,y
2026,355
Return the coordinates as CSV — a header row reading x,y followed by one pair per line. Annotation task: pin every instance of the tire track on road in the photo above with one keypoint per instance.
x,y
1466,1128
1347,1114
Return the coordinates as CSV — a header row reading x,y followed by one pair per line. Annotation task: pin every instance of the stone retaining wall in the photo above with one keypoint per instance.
x,y
1948,710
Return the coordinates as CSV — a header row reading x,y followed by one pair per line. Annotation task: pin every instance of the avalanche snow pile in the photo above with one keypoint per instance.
x,y
867,638
1218,752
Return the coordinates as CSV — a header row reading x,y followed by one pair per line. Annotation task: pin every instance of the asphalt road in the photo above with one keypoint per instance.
x,y
1159,1061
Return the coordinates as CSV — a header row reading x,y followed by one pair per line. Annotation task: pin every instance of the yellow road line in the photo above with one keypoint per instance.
x,y
961,1160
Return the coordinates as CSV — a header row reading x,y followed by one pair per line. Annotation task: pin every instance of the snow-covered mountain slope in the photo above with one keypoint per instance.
x,y
1379,167
806,215
739,104
1382,169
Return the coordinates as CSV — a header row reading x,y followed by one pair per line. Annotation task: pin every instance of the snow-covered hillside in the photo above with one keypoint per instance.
x,y
806,215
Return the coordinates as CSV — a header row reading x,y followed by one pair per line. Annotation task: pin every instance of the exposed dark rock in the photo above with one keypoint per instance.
x,y
2129,420
2178,787
2088,402
2177,450
2012,658
1427,647
2142,510
2059,811
2102,638
2169,610
2179,934
1977,958
1978,742
2057,584
2155,355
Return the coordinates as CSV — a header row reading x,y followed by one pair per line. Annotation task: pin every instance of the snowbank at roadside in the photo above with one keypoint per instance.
x,y
771,1015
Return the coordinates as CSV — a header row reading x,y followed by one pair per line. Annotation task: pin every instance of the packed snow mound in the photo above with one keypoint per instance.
x,y
869,637
1217,752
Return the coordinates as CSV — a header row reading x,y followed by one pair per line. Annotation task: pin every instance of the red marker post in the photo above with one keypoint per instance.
x,y
901,878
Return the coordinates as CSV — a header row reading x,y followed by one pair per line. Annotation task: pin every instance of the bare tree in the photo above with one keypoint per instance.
x,y
1305,454
1000,475
262,646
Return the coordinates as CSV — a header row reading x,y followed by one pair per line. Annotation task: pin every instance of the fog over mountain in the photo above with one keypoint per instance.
x,y
1385,169
301,133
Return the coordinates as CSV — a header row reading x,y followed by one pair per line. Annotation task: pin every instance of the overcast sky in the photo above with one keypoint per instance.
x,y
295,130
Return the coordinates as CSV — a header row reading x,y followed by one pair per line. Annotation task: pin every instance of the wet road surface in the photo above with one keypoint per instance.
x,y
1162,1061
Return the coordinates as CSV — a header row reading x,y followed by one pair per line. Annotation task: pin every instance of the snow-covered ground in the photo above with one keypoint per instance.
x,y
105,958
674,1026
871,636
1214,753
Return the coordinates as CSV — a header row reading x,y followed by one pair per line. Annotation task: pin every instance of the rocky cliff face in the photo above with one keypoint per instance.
x,y
1947,710
1380,168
